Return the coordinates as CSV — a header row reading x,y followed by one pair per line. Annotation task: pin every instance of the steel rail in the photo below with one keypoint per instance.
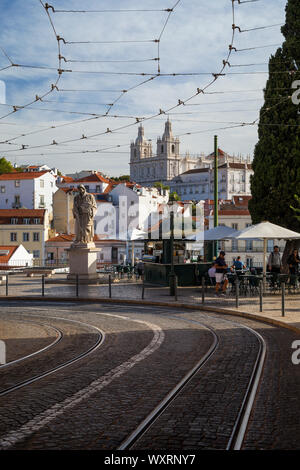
x,y
45,348
240,426
170,397
101,337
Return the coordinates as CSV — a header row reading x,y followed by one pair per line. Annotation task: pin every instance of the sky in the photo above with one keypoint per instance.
x,y
111,80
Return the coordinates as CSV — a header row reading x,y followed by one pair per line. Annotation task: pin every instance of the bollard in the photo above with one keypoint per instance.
x,y
283,299
77,285
260,296
143,289
43,285
203,289
6,285
175,286
237,292
109,286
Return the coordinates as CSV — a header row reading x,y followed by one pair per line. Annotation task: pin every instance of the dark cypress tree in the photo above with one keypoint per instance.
x,y
276,162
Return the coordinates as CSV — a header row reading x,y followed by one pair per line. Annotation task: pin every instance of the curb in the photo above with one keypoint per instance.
x,y
224,311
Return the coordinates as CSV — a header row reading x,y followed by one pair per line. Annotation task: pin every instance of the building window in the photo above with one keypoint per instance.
x,y
17,183
14,220
13,237
36,221
26,221
162,149
36,236
234,226
25,237
36,253
234,245
42,200
98,189
87,188
249,245
3,189
173,148
17,200
42,184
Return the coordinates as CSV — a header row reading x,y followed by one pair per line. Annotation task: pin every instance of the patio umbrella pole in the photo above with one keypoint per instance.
x,y
265,266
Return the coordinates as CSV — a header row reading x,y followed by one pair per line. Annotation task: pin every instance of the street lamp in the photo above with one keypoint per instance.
x,y
172,271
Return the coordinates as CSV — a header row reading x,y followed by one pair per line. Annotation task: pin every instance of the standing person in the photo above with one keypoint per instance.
x,y
221,269
140,269
293,262
274,261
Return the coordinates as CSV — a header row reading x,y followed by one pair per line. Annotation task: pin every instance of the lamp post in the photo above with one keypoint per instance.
x,y
172,271
216,221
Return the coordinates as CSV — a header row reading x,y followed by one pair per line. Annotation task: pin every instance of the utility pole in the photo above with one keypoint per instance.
x,y
216,222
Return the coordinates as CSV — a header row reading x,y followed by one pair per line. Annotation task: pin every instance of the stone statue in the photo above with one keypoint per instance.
x,y
84,211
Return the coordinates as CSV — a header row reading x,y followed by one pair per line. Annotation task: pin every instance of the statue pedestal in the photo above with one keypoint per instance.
x,y
83,261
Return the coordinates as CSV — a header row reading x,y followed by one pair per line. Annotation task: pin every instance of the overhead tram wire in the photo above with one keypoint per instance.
x,y
180,102
53,86
153,76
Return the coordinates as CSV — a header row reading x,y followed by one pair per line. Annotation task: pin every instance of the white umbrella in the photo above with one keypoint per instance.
x,y
265,231
221,232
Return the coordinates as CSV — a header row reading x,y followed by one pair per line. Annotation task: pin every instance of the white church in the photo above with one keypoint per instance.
x,y
190,176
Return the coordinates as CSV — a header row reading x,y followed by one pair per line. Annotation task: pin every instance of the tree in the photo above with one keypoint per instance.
x,y
297,209
161,186
276,161
5,166
121,178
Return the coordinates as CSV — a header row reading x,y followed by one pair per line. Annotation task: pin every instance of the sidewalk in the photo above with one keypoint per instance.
x,y
21,287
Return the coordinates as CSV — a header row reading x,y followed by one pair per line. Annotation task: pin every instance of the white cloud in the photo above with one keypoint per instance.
x,y
195,39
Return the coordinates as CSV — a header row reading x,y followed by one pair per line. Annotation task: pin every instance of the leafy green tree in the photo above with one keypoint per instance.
x,y
121,178
5,166
297,209
276,162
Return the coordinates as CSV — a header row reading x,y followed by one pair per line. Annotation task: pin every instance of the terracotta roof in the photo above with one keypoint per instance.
x,y
7,214
26,175
4,258
109,188
93,177
62,237
234,212
67,179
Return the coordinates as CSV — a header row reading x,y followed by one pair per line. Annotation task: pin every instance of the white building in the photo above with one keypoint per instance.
x,y
197,184
94,183
29,190
14,256
147,168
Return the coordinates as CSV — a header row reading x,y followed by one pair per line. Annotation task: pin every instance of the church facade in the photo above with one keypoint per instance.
x,y
147,168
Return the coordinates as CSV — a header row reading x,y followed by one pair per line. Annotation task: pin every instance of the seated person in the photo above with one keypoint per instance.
x,y
212,274
238,265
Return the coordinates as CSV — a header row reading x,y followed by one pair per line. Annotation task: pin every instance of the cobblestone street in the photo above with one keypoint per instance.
x,y
105,367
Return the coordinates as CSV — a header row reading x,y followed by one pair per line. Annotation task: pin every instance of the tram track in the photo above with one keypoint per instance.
x,y
60,366
239,428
